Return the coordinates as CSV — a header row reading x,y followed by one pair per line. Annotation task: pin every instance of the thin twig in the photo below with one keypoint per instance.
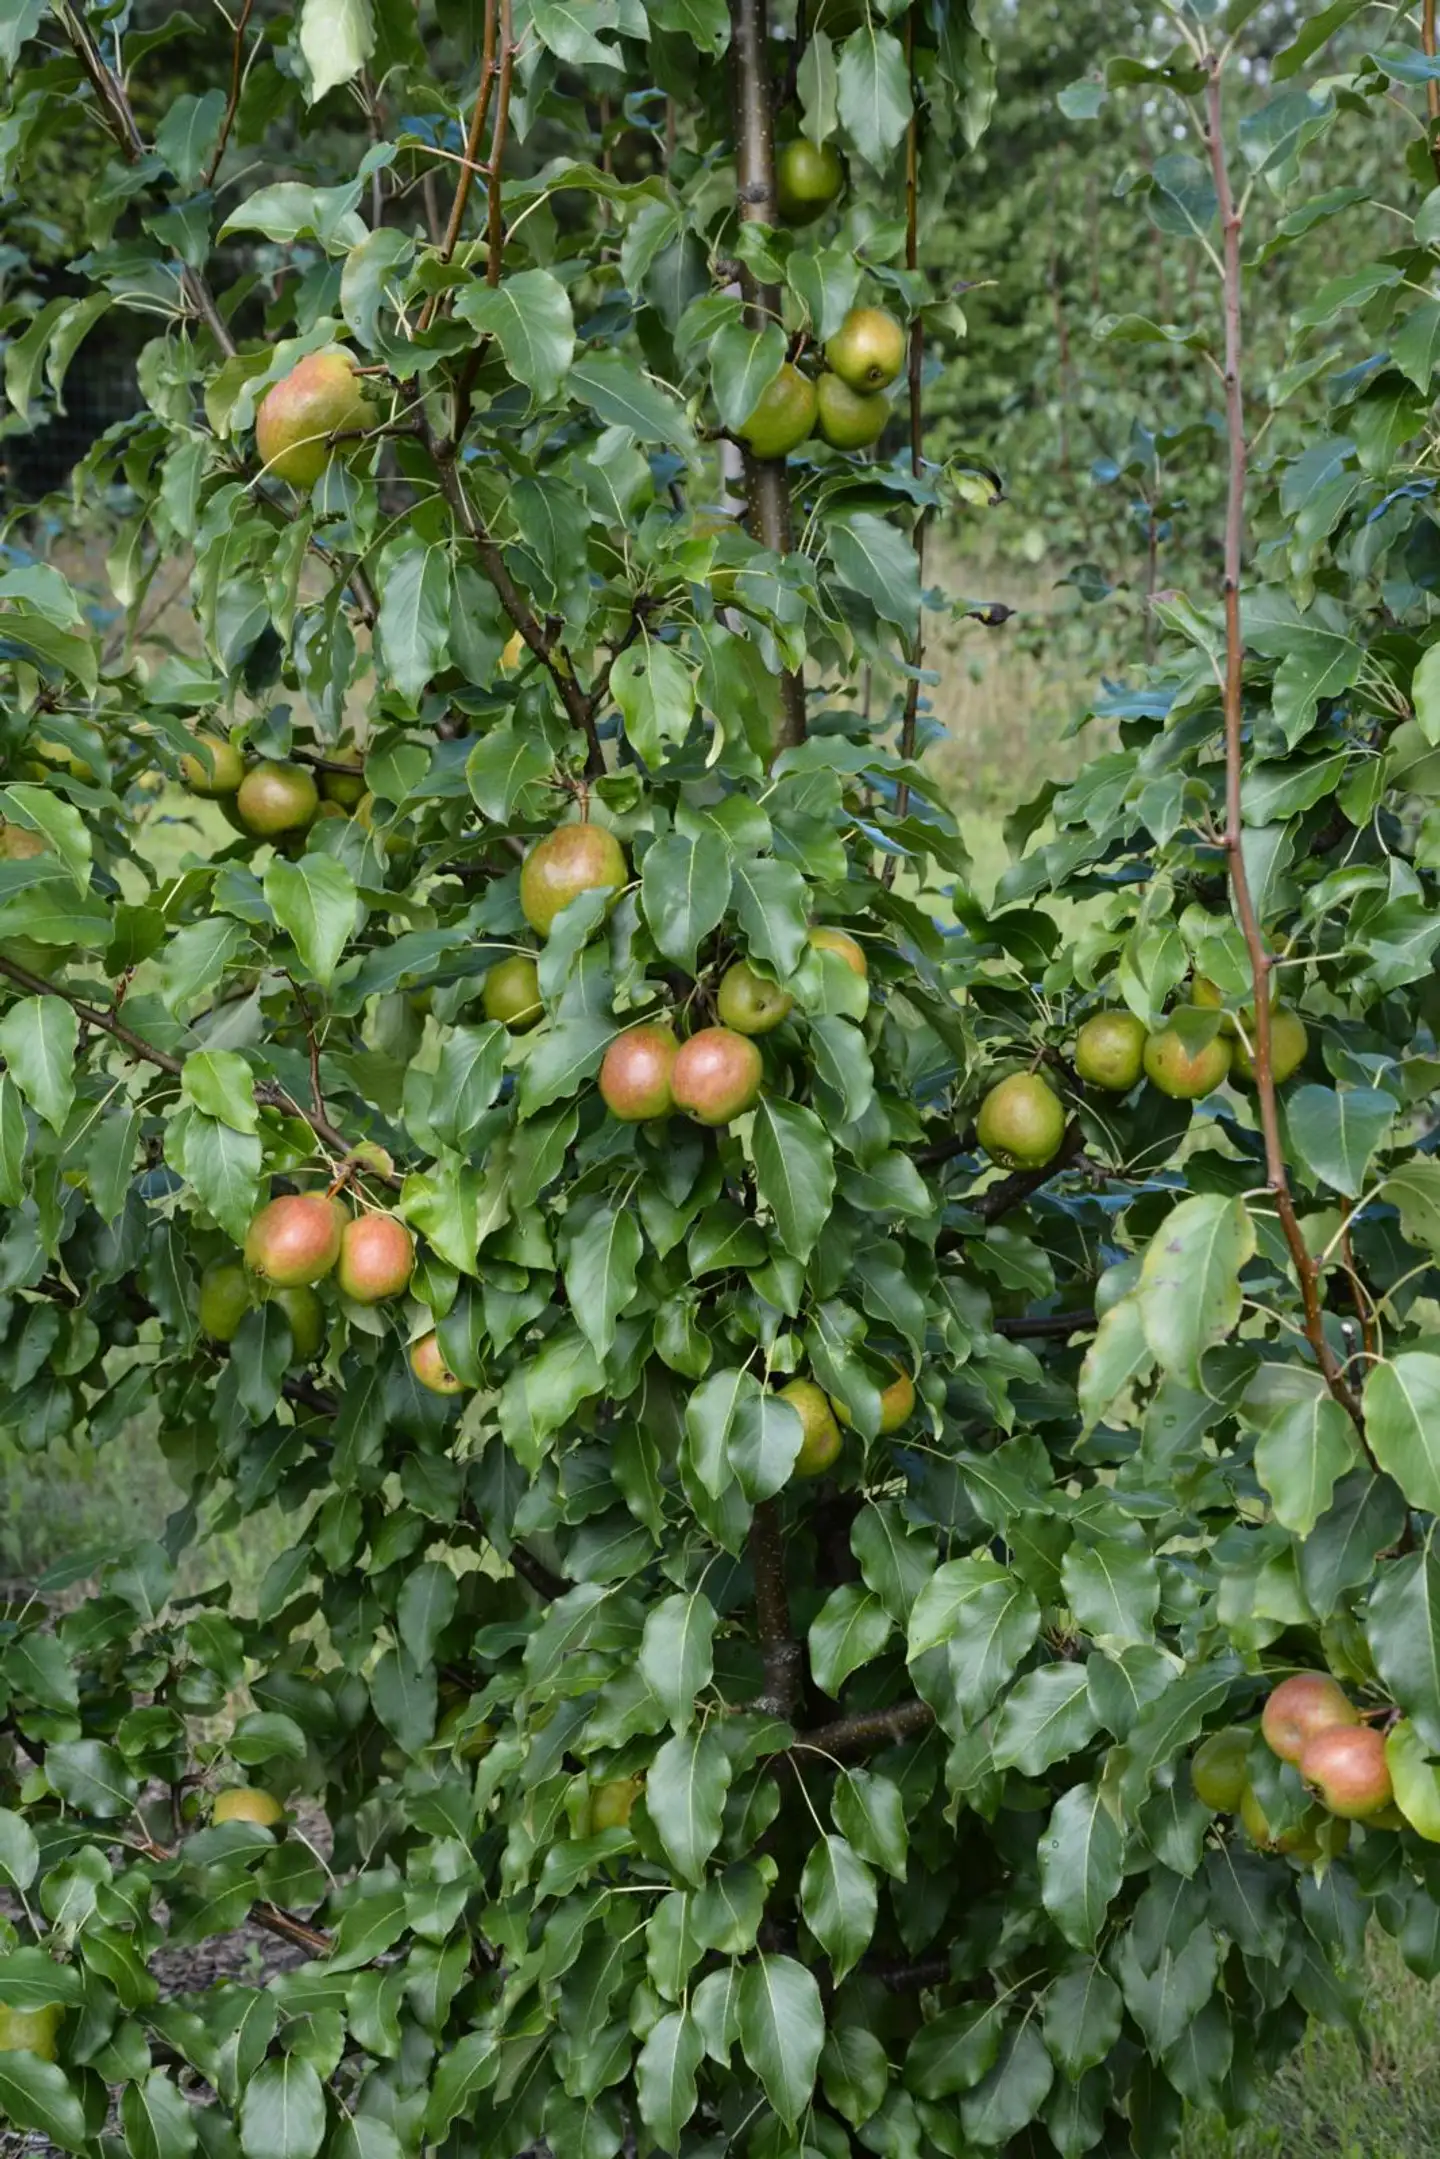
x,y
1306,1268
778,1645
472,151
767,484
314,1046
267,1094
872,1728
496,222
237,77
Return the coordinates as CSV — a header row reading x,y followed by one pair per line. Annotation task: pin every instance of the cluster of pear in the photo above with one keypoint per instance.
x,y
275,798
293,1243
1309,1721
846,405
714,1075
821,1418
1022,1122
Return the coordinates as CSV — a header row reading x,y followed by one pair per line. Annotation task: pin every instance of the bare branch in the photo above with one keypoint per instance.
x,y
778,1646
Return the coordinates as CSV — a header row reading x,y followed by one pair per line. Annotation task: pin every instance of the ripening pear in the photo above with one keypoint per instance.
x,y
30,2031
346,788
748,1004
716,1076
867,352
824,937
1110,1051
1289,1044
820,1431
215,767
377,1258
1218,1769
295,1240
570,860
427,1362
808,177
897,1401
19,844
636,1074
511,993
224,1299
274,798
782,416
849,419
320,396
306,1315
1021,1122
1302,1706
613,1802
1185,1074
247,1803
1346,1765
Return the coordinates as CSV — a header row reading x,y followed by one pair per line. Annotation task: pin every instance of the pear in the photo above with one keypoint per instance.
x,y
867,352
320,396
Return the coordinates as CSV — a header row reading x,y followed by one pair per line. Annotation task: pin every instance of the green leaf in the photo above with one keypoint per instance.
x,y
874,93
337,37
282,2112
676,1654
985,1618
1402,1625
564,1057
1402,1424
470,2066
504,771
221,1085
1414,1189
1425,690
854,2072
157,2120
36,2094
839,1899
1306,1443
1083,2015
424,1609
685,1797
404,1697
529,317
684,891
29,1979
1335,1133
955,2050
850,1629
314,901
620,396
467,1080
770,900
665,2073
873,557
224,1167
1416,1779
92,1777
414,623
655,691
782,2028
1189,1292
869,1812
1113,1589
825,283
743,364
1046,1716
39,1037
794,1171
541,1395
371,269
19,1851
818,83
37,809
762,1441
1081,1864
1012,2094
600,1271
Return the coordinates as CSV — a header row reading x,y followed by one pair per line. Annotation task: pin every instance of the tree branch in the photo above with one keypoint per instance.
x,y
767,485
495,221
1042,1325
778,1646
1306,1268
237,77
872,1728
267,1093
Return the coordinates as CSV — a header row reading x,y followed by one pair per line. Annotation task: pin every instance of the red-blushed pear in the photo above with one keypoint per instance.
x,y
427,1362
1219,1769
748,1004
820,1441
215,767
613,1802
1110,1051
1183,1072
274,798
247,1803
321,396
808,177
1346,1766
716,1076
1021,1122
306,1315
849,419
225,1298
511,993
867,352
1301,1707
30,2031
782,416
295,1240
1289,1045
377,1258
635,1076
572,859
